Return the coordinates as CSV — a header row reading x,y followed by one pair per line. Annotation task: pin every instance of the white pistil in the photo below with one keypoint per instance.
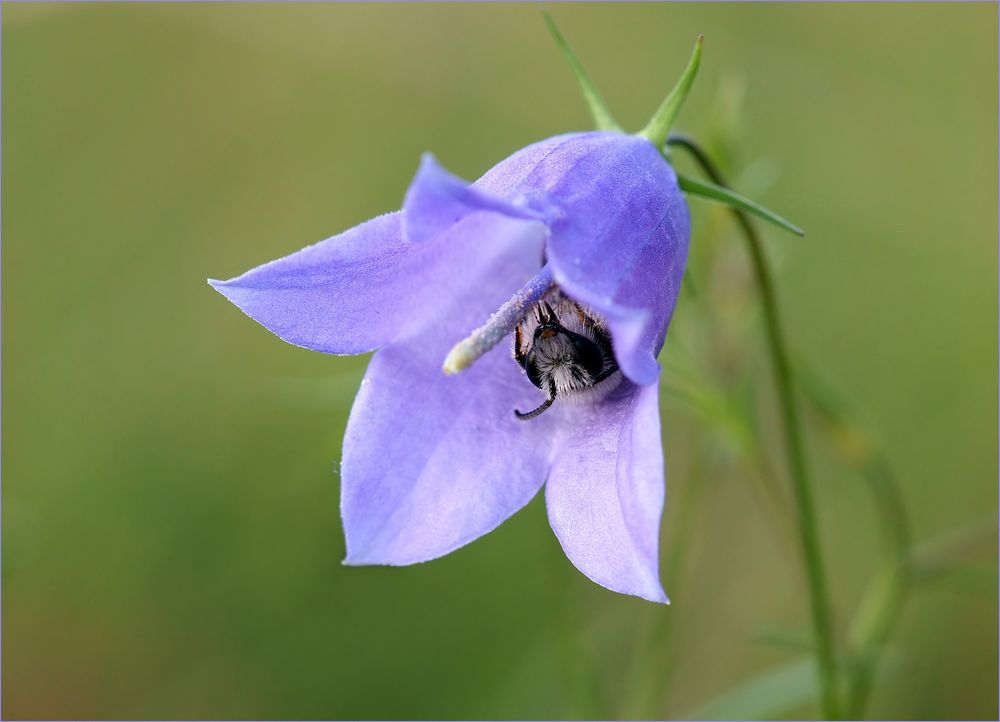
x,y
500,324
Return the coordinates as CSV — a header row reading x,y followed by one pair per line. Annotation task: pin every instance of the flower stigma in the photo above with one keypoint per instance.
x,y
500,324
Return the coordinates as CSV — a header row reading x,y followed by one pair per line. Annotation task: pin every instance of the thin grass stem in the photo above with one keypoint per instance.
x,y
808,527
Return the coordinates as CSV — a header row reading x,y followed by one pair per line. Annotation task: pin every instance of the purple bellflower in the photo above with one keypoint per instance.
x,y
549,284
589,224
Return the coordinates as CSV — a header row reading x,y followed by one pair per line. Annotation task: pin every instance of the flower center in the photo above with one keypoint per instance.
x,y
564,349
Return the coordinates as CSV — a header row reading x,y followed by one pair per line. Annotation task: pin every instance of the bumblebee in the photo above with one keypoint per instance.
x,y
565,351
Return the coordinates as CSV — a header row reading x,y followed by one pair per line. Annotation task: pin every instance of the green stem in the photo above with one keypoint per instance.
x,y
886,594
883,600
806,514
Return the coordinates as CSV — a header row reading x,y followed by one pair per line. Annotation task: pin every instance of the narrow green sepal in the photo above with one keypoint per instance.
x,y
659,126
704,189
598,110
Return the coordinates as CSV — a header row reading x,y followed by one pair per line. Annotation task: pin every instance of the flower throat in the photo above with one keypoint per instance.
x,y
564,349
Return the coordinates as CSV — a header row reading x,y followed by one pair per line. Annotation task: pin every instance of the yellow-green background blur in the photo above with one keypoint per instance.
x,y
171,536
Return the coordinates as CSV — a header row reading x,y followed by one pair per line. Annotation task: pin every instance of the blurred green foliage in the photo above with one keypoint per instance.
x,y
171,537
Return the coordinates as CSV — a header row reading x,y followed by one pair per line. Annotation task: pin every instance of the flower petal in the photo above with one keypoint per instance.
x,y
339,295
361,289
539,165
432,462
630,329
605,492
437,199
620,236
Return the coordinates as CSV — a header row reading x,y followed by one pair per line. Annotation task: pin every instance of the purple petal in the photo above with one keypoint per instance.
x,y
605,492
620,240
362,289
432,462
630,329
539,165
436,200
338,295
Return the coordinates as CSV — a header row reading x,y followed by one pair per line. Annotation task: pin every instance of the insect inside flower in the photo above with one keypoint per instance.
x,y
566,351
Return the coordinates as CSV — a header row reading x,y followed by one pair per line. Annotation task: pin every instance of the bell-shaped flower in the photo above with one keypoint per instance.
x,y
432,460
549,284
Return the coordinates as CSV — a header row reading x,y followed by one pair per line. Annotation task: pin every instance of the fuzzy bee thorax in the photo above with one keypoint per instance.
x,y
565,350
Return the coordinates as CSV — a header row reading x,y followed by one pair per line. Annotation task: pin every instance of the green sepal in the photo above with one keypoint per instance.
x,y
659,126
598,110
704,189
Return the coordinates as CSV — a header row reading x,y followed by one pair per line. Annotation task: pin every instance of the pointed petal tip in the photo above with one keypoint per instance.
x,y
227,286
651,593
360,560
649,590
430,170
429,162
223,287
437,199
234,291
354,557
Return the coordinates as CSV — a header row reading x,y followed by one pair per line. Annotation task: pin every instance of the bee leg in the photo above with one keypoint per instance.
x,y
544,405
532,414
519,354
604,374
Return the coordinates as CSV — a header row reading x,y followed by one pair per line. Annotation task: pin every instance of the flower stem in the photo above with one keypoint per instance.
x,y
808,528
883,601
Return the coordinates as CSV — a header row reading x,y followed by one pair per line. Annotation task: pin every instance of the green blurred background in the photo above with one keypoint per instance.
x,y
171,536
